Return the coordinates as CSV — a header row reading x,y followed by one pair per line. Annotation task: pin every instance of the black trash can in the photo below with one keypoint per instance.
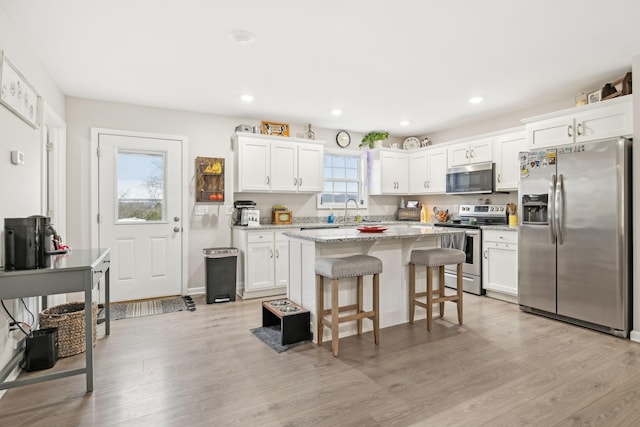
x,y
220,274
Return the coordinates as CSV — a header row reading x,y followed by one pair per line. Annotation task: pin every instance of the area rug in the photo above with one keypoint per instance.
x,y
150,307
270,335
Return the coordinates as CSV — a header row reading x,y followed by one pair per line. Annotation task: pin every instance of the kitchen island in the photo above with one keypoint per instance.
x,y
393,247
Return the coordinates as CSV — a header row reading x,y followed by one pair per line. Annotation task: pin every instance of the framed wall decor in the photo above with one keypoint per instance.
x,y
271,128
594,97
17,94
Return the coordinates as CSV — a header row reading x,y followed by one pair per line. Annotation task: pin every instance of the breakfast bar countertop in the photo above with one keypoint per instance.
x,y
333,235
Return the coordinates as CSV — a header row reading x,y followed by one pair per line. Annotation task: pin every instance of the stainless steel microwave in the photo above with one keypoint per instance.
x,y
470,179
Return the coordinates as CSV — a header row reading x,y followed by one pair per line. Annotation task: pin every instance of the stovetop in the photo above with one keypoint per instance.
x,y
478,214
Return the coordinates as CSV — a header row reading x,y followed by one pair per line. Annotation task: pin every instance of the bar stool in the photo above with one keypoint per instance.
x,y
431,258
342,268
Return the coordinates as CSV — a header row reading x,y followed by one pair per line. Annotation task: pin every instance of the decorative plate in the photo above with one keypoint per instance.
x,y
343,139
372,229
411,143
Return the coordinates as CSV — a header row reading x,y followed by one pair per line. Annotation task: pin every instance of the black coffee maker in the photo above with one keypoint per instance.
x,y
29,242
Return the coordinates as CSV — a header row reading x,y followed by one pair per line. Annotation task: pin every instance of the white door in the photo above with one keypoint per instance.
x,y
284,167
140,199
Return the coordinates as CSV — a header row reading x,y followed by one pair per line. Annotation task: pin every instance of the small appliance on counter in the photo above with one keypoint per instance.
x,y
240,216
409,214
30,242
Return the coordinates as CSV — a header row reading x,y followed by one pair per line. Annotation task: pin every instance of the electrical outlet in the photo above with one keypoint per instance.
x,y
202,210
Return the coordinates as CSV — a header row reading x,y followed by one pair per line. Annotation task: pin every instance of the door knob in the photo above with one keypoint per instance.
x,y
176,229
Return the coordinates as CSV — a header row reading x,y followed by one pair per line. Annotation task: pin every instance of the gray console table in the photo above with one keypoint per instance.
x,y
77,271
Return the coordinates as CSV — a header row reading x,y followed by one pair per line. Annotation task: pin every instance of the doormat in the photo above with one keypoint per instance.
x,y
150,307
271,336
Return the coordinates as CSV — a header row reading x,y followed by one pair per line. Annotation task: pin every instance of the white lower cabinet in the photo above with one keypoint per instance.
x,y
500,264
264,262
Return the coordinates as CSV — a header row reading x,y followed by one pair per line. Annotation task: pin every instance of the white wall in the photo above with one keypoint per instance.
x,y
208,136
21,185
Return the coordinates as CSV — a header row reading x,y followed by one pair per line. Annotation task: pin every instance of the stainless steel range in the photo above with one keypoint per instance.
x,y
472,217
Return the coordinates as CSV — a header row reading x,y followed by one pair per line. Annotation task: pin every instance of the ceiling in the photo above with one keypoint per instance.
x,y
379,61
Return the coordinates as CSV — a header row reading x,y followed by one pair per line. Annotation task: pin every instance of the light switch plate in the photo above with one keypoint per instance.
x,y
202,210
17,157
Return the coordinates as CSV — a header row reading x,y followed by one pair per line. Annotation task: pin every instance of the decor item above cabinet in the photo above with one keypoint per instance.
x,y
276,164
581,124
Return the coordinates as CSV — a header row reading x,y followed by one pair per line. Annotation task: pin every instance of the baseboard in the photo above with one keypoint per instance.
x,y
634,336
197,291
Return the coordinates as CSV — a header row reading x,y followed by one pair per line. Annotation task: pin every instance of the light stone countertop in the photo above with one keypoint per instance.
x,y
297,225
336,235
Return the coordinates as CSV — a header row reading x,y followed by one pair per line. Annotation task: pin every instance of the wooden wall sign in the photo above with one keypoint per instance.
x,y
209,179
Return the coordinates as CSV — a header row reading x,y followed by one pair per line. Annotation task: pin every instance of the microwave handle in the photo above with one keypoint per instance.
x,y
11,247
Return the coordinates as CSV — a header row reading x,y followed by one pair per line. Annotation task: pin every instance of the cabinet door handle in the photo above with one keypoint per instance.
x,y
579,129
425,184
268,180
277,253
295,182
569,130
270,253
428,184
300,182
472,154
499,179
466,154
485,254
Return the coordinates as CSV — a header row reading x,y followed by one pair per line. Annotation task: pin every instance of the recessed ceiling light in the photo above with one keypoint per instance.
x,y
405,123
476,100
241,37
336,111
246,98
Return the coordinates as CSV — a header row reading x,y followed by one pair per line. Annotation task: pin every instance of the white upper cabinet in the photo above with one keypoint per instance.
x,y
428,171
505,155
478,151
585,123
388,171
277,164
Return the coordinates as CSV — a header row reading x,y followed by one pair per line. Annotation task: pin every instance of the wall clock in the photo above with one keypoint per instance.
x,y
343,139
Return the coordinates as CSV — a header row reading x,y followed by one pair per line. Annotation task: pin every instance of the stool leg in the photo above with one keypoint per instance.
x,y
441,288
376,308
335,325
360,285
459,289
412,291
319,308
429,298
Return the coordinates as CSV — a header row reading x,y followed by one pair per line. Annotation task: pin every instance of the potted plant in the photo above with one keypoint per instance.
x,y
372,137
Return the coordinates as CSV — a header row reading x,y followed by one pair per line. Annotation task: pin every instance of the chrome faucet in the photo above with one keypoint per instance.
x,y
346,217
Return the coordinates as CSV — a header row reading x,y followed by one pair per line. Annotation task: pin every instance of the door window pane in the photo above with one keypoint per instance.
x,y
141,186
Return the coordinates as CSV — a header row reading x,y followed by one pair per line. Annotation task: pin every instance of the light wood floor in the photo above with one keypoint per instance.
x,y
204,368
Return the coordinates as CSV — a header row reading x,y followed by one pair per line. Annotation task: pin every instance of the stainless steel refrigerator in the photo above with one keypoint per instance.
x,y
575,236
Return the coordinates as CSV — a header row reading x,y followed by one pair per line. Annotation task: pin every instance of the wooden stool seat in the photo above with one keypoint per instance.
x,y
432,258
341,268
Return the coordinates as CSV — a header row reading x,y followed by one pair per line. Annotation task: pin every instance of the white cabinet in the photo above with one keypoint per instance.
x,y
477,151
277,164
388,171
428,171
581,124
505,155
264,262
500,264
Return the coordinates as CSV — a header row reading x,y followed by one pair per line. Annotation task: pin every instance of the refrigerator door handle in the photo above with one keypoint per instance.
x,y
559,214
551,211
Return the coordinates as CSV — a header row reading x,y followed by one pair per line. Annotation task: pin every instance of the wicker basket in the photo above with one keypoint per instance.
x,y
69,319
